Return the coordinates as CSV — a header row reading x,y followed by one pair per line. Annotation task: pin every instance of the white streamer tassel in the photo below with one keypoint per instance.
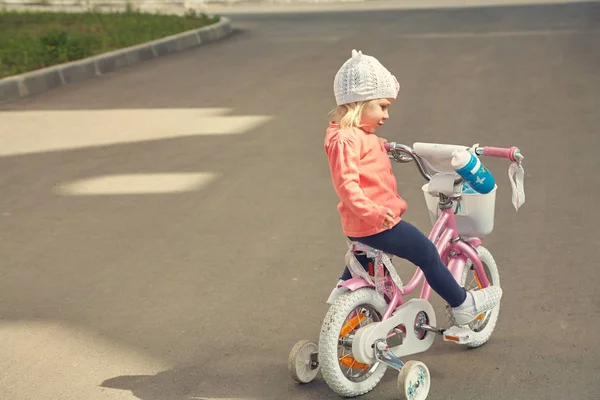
x,y
516,175
381,259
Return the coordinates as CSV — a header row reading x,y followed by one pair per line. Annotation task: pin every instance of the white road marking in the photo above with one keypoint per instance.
x,y
128,184
26,132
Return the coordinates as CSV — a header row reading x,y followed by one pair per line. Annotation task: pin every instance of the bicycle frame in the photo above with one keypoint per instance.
x,y
452,248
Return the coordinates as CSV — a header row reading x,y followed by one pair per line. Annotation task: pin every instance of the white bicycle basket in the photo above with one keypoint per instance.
x,y
474,213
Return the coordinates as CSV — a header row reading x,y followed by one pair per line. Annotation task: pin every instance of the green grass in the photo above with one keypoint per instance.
x,y
33,40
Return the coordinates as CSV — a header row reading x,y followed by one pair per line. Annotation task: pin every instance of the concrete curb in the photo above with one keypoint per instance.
x,y
43,80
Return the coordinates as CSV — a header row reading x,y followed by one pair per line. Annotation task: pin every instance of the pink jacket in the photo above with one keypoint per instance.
x,y
363,179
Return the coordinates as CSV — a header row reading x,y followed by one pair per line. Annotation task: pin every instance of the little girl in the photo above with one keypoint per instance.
x,y
361,171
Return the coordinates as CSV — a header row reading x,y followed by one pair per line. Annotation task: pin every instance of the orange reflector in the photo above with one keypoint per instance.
x,y
351,325
478,281
351,362
452,338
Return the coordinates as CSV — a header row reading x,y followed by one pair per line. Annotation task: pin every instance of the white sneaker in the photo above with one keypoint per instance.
x,y
336,292
477,302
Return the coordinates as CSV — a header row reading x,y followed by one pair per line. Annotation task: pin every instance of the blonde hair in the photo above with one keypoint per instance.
x,y
348,115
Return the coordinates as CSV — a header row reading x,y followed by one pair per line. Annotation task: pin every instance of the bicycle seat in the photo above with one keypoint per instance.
x,y
361,248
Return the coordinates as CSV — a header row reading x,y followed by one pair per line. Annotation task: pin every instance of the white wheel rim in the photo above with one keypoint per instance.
x,y
358,375
303,370
417,382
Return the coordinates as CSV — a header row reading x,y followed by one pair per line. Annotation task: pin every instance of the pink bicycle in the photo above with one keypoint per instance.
x,y
370,326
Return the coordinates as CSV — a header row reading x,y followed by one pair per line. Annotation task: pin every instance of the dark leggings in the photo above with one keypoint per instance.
x,y
406,241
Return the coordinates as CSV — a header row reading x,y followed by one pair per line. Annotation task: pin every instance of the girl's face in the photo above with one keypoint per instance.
x,y
374,114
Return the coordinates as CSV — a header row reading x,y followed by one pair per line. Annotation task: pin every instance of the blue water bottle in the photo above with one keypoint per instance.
x,y
469,167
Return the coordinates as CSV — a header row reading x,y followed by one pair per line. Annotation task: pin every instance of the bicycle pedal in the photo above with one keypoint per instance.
x,y
458,335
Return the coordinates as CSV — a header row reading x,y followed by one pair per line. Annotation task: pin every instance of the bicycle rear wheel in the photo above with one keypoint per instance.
x,y
342,372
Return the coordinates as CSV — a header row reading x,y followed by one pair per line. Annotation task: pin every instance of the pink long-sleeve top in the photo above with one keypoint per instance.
x,y
363,179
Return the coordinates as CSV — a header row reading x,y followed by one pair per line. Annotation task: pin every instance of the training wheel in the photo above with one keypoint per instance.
x,y
302,362
414,381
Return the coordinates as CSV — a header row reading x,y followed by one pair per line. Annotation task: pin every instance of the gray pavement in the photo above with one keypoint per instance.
x,y
169,230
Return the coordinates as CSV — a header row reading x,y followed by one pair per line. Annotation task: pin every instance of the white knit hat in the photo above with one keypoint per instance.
x,y
362,78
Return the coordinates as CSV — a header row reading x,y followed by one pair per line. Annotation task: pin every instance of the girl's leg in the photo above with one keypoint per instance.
x,y
406,241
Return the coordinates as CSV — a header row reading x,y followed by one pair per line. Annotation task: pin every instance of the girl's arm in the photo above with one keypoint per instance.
x,y
343,154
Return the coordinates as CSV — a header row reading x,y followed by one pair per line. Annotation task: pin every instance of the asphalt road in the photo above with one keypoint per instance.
x,y
169,231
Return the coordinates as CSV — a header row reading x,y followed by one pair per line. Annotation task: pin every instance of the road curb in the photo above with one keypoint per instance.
x,y
43,80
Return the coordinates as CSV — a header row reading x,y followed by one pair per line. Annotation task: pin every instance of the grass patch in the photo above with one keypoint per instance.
x,y
33,40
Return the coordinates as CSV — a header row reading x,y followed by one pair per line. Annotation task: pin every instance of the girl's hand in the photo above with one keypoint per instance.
x,y
382,140
388,220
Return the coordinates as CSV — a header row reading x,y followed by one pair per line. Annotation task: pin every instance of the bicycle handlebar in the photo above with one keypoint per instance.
x,y
402,153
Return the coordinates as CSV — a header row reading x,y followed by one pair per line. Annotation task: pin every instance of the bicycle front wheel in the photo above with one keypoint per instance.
x,y
483,326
